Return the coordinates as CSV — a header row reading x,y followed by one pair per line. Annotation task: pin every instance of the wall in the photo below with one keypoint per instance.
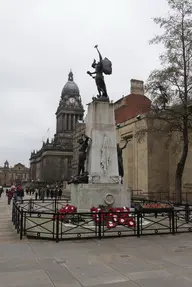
x,y
131,106
158,163
175,150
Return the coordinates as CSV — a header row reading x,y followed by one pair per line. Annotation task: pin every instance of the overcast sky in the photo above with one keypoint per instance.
x,y
42,39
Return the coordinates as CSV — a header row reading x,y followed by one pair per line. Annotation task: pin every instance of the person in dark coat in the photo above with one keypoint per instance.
x,y
1,191
52,193
47,192
10,196
60,193
20,193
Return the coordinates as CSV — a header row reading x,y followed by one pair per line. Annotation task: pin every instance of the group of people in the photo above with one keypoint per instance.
x,y
16,193
45,192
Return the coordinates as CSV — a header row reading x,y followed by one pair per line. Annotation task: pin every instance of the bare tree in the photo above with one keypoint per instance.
x,y
170,87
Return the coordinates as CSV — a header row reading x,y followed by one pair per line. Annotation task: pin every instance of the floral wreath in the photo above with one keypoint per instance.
x,y
111,218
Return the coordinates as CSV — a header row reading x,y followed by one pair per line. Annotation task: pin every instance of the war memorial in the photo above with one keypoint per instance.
x,y
98,181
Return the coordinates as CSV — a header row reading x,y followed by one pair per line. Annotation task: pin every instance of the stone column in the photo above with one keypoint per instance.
x,y
64,122
74,121
69,122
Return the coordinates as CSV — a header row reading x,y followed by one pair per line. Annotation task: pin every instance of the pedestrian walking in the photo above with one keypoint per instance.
x,y
43,193
1,191
9,196
20,193
51,193
60,193
47,192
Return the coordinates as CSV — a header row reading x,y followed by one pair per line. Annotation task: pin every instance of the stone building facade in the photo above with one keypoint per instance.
x,y
149,163
18,174
53,162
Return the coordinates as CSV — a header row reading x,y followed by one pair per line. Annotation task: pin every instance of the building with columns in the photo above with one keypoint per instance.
x,y
53,161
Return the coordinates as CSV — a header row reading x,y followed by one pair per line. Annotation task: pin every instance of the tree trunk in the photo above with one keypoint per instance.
x,y
181,166
181,163
178,184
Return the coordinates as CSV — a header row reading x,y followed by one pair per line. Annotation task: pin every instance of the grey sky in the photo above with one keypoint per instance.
x,y
42,39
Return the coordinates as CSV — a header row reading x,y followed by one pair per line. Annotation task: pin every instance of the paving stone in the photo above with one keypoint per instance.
x,y
57,272
117,284
14,265
181,260
24,278
165,282
148,274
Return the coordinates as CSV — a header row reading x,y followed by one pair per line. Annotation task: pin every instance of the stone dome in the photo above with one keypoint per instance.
x,y
70,88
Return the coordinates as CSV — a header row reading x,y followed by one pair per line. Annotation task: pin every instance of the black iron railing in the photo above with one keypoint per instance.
x,y
46,205
160,196
42,222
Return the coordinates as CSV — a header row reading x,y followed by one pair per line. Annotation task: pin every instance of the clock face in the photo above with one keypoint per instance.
x,y
72,100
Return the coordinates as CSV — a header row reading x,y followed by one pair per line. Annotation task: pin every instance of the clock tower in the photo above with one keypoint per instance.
x,y
69,111
53,162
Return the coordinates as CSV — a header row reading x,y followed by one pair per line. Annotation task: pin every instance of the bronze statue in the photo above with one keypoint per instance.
x,y
103,66
84,142
82,176
120,160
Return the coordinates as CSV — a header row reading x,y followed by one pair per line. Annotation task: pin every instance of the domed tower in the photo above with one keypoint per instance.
x,y
70,110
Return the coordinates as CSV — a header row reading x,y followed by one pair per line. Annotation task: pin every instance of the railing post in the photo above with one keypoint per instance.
x,y
55,207
13,211
21,224
187,213
15,216
24,223
57,228
18,218
99,225
173,221
138,213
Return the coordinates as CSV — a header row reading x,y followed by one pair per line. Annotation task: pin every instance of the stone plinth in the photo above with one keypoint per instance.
x,y
104,187
85,196
102,164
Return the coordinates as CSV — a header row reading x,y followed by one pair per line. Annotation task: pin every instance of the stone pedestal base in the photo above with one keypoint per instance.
x,y
85,196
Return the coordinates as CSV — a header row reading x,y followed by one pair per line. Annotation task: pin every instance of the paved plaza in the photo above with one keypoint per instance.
x,y
152,261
